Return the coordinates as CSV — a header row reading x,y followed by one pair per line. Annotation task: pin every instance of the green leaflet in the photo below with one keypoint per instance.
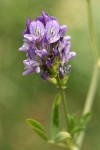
x,y
85,119
78,126
55,116
37,127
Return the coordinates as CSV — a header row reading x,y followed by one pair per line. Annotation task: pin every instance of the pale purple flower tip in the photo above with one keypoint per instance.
x,y
63,30
45,18
27,30
24,47
70,56
31,66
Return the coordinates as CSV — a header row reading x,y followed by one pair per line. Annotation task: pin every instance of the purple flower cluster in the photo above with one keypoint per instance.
x,y
47,48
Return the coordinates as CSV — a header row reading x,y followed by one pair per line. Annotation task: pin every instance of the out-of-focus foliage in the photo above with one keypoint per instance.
x,y
23,97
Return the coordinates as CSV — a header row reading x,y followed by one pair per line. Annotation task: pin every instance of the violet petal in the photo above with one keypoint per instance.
x,y
63,30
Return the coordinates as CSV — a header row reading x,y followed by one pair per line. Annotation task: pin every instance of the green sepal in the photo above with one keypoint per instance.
x,y
55,115
52,80
63,82
37,127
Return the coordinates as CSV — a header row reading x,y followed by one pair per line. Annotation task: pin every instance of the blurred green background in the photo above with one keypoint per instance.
x,y
29,96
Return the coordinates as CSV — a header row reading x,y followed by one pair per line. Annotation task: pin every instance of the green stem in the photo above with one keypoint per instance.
x,y
64,106
63,95
92,32
92,90
89,102
95,75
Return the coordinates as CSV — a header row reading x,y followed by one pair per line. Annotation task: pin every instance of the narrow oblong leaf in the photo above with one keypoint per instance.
x,y
37,127
35,123
61,136
55,115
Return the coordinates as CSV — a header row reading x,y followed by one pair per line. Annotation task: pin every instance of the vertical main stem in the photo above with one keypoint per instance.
x,y
92,32
89,102
92,90
95,75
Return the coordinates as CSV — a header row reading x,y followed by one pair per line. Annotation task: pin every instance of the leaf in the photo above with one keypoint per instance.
x,y
37,127
55,115
72,122
77,129
82,124
61,136
85,119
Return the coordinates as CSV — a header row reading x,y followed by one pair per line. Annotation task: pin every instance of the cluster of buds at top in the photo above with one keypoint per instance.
x,y
47,49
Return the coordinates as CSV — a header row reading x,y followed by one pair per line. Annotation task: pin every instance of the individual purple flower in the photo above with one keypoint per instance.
x,y
47,48
64,50
52,31
36,31
64,42
31,66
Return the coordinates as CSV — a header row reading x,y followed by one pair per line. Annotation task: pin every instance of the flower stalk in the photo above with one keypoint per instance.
x,y
65,107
